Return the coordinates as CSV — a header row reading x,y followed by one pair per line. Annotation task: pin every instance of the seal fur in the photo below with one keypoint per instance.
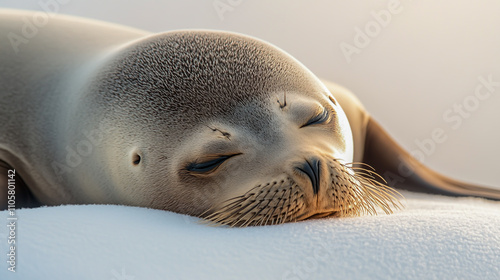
x,y
121,116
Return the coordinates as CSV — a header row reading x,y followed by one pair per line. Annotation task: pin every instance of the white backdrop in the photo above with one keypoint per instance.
x,y
416,65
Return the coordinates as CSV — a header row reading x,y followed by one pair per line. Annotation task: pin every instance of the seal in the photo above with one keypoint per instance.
x,y
206,123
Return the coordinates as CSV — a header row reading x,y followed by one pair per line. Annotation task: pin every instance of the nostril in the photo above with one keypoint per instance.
x,y
311,169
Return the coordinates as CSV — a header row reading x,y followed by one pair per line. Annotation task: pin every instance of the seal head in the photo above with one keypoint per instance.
x,y
226,127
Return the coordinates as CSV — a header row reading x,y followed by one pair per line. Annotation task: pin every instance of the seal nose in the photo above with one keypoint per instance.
x,y
311,169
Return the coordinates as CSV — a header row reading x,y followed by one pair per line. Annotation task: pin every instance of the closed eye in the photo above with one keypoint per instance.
x,y
321,118
207,166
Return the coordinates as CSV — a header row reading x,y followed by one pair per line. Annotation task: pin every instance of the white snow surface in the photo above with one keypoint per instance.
x,y
434,237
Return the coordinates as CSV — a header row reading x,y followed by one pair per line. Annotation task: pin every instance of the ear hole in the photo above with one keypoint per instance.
x,y
136,159
332,99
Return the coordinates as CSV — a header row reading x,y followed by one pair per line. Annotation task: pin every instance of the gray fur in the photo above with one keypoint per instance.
x,y
81,101
76,76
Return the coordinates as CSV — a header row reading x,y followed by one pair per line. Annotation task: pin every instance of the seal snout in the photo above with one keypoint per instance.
x,y
311,167
345,191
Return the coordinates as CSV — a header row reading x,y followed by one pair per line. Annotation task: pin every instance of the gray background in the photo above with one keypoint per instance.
x,y
425,60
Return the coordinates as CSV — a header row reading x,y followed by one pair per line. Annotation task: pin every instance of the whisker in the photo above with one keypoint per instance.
x,y
355,187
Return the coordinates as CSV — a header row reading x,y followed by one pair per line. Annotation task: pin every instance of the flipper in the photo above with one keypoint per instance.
x,y
402,171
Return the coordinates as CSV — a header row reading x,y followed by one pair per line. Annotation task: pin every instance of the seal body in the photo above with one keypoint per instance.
x,y
206,123
40,69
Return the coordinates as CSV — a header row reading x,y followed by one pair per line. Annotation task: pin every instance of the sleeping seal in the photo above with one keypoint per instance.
x,y
206,123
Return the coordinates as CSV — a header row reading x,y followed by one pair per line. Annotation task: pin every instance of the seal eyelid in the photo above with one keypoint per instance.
x,y
320,118
207,166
